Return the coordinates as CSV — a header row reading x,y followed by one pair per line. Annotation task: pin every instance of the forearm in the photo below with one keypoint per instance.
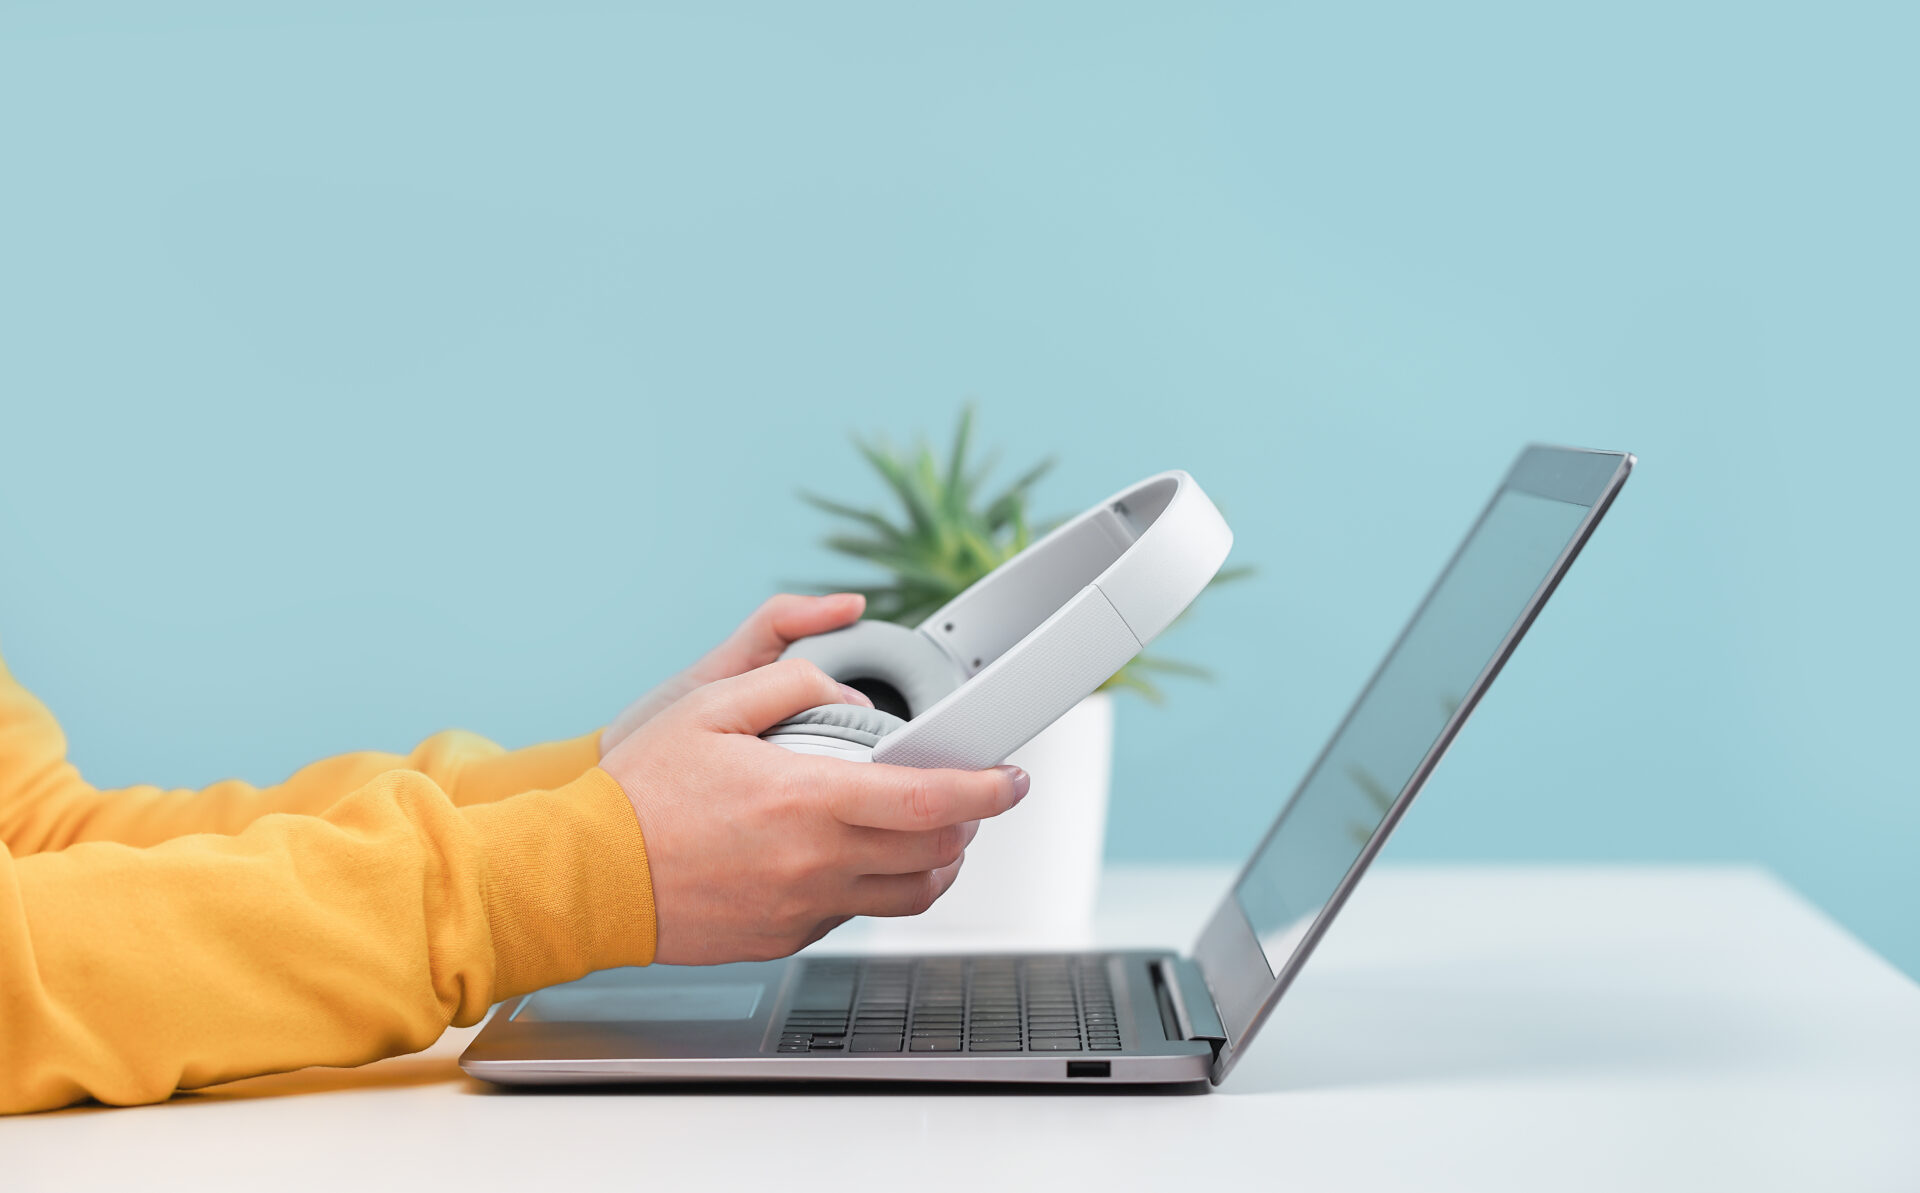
x,y
306,940
469,769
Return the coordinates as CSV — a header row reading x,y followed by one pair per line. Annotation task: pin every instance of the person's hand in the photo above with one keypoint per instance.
x,y
757,851
773,627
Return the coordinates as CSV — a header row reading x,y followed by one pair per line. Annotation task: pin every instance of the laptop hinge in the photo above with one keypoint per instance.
x,y
1186,1006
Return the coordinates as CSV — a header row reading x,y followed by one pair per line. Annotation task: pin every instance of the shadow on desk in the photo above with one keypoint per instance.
x,y
400,1072
1464,1023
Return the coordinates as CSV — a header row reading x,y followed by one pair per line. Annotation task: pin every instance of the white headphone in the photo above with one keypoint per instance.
x,y
1007,657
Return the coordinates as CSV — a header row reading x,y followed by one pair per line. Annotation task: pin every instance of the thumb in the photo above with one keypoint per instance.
x,y
762,698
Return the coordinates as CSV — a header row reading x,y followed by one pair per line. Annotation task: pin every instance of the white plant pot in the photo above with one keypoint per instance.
x,y
1031,875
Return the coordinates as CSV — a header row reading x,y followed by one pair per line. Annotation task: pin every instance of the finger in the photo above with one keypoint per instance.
x,y
884,851
784,619
752,702
905,797
903,894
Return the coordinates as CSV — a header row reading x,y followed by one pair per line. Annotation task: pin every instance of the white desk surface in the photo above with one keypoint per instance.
x,y
1533,1028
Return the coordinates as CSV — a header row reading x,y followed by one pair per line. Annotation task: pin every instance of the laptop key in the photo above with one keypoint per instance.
x,y
876,1044
937,1044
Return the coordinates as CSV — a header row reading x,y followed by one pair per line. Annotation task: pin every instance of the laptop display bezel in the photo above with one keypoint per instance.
x,y
1228,953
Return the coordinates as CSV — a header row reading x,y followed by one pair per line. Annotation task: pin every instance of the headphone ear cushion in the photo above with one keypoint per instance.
x,y
881,653
842,722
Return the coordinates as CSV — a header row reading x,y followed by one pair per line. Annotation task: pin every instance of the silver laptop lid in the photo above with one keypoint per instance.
x,y
1409,712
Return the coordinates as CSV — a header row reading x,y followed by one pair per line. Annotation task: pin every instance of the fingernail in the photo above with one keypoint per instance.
x,y
1021,782
972,829
855,696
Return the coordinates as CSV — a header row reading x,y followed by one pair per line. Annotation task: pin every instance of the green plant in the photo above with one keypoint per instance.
x,y
946,535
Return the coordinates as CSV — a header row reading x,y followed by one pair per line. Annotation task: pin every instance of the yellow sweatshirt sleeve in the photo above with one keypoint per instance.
x,y
45,804
128,973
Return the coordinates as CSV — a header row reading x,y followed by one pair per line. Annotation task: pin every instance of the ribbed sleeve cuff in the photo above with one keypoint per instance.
x,y
567,886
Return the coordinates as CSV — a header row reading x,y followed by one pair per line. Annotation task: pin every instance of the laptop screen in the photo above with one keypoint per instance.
x,y
1454,638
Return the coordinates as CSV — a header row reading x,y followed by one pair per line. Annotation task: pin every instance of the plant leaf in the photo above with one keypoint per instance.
x,y
1027,480
979,475
866,517
1148,662
926,478
957,459
1124,678
870,550
895,473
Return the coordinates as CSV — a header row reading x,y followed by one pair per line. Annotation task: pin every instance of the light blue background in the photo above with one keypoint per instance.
x,y
362,375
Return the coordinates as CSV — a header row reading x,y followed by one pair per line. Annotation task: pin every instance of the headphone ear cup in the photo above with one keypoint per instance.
x,y
899,669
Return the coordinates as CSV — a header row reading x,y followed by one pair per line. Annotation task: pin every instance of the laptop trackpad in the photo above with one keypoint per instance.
x,y
662,1003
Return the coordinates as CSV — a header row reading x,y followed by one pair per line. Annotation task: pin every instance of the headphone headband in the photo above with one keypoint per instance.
x,y
1043,630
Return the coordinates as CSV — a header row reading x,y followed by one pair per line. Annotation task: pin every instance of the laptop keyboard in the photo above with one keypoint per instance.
x,y
952,1004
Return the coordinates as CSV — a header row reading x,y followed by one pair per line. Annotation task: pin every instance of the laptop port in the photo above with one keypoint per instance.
x,y
1089,1068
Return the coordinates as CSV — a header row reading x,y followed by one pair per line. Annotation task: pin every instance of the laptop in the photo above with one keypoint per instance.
x,y
1128,1017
